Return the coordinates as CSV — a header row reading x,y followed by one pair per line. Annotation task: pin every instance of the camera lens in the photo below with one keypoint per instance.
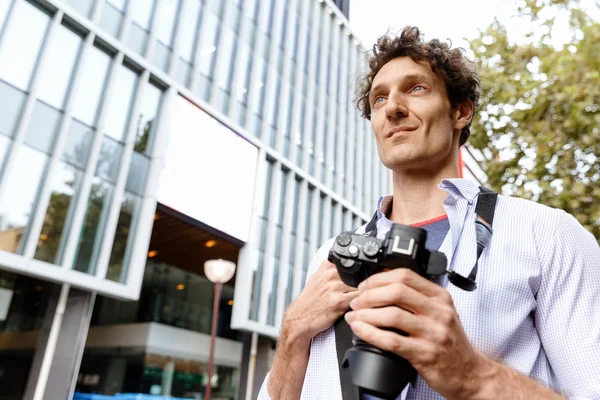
x,y
371,248
344,239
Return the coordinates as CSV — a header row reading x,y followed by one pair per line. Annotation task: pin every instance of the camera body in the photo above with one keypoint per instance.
x,y
356,257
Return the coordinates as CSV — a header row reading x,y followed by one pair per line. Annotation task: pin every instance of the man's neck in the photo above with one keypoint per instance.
x,y
417,197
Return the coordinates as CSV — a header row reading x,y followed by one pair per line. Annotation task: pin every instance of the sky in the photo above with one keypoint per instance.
x,y
444,19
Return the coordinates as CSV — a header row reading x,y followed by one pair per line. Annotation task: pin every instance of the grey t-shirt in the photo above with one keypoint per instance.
x,y
436,233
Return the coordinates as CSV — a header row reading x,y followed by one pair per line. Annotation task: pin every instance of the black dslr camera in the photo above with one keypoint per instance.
x,y
376,372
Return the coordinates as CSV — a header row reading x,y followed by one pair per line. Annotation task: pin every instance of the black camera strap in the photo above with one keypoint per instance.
x,y
486,205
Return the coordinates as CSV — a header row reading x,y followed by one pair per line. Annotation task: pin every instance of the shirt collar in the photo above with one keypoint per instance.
x,y
456,188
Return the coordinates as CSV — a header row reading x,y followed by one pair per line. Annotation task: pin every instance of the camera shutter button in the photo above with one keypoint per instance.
x,y
353,250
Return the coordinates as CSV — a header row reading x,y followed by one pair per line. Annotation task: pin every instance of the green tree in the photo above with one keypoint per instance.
x,y
540,116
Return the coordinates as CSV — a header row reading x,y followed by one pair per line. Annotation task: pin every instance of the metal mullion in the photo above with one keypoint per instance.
x,y
176,40
315,222
341,116
368,176
193,82
114,206
269,254
126,23
90,170
326,221
295,134
337,220
229,6
236,85
332,98
286,77
300,232
320,159
249,252
310,92
147,205
348,221
269,109
258,51
45,192
7,19
18,140
97,12
284,264
151,45
351,129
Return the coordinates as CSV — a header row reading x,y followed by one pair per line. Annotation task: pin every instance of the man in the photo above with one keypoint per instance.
x,y
530,330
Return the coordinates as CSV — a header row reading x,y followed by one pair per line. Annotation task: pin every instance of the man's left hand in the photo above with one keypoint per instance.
x,y
437,345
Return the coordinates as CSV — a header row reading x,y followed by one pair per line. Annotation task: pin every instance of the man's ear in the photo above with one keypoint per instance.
x,y
463,113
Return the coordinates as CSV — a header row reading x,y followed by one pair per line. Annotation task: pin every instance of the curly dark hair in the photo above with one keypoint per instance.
x,y
457,72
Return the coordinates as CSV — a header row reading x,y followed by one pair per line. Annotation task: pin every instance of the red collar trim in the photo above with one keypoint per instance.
x,y
431,221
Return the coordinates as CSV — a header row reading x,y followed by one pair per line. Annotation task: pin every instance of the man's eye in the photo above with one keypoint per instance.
x,y
377,99
418,88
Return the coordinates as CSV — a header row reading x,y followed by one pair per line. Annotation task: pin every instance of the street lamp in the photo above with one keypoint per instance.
x,y
218,272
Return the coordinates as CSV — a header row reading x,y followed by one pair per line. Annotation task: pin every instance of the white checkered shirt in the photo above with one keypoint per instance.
x,y
536,308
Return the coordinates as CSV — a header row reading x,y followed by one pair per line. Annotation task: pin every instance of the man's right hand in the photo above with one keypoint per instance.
x,y
324,299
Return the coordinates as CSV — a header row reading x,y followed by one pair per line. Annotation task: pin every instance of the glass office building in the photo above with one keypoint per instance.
x,y
139,138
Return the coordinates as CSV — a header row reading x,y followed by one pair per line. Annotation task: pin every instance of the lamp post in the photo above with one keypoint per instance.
x,y
218,272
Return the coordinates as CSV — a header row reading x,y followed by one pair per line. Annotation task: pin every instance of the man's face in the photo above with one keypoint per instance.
x,y
411,118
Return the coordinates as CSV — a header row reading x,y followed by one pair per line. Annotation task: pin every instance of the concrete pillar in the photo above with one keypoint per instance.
x,y
66,351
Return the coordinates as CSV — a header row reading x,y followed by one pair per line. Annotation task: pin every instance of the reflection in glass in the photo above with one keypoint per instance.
x,y
91,232
136,178
162,56
110,157
137,39
91,86
141,12
116,270
11,102
4,143
43,126
83,6
121,102
57,214
21,44
58,66
187,30
111,19
207,43
77,145
22,183
166,20
148,117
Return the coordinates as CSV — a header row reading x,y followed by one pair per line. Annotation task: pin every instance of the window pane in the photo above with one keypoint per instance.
x,y
184,70
22,184
166,19
77,146
120,104
137,39
118,4
58,67
91,86
148,117
59,208
110,158
141,12
43,127
162,56
4,6
91,232
83,6
4,143
111,19
21,44
116,270
136,177
207,43
189,17
226,47
11,103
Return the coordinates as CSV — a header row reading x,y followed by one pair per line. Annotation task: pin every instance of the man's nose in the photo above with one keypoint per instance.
x,y
395,107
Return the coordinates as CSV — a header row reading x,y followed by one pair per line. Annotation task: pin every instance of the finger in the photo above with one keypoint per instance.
x,y
389,317
403,275
397,294
385,340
